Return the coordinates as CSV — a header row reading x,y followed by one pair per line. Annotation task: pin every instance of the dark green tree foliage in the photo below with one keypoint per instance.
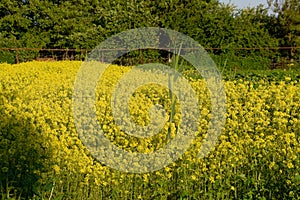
x,y
287,23
85,23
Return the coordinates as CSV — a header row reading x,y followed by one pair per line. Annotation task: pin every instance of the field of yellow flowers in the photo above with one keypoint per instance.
x,y
42,157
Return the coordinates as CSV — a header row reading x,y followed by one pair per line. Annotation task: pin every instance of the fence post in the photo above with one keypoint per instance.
x,y
141,57
282,63
17,57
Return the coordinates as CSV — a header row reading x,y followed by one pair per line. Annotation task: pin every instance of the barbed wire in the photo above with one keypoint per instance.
x,y
71,53
118,49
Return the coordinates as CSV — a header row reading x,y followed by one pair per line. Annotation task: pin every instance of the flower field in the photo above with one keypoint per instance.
x,y
42,157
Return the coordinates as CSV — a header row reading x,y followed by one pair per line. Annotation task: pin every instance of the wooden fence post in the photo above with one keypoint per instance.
x,y
17,57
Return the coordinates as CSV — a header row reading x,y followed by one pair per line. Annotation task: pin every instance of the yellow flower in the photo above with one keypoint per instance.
x,y
271,165
193,177
290,165
211,179
97,181
261,124
56,168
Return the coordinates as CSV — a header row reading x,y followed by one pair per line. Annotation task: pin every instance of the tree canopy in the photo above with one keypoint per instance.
x,y
83,24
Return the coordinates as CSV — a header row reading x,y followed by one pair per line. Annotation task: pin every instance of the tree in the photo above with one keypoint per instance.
x,y
84,24
287,13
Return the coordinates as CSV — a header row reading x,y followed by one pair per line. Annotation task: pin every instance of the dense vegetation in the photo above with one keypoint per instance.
x,y
256,156
84,24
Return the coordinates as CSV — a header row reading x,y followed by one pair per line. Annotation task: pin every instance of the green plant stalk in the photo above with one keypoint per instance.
x,y
170,84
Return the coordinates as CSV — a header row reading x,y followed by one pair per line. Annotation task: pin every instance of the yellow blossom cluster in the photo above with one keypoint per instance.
x,y
258,148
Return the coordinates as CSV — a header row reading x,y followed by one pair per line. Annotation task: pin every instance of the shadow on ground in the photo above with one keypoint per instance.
x,y
24,155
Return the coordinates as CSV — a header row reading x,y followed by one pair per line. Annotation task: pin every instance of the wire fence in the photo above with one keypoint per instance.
x,y
278,57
